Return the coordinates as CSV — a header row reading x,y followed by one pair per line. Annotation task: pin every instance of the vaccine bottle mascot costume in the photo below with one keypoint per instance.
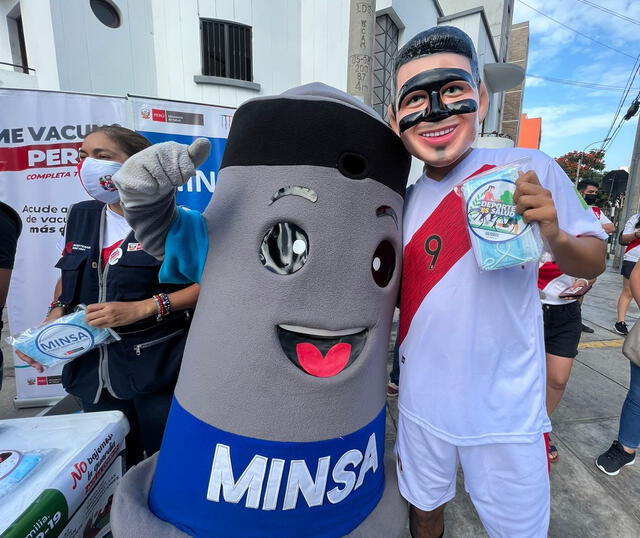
x,y
277,428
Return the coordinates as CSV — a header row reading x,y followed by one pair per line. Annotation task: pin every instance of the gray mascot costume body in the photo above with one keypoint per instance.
x,y
277,427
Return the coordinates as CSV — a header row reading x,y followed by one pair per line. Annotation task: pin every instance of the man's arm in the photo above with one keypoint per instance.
x,y
609,227
576,256
626,238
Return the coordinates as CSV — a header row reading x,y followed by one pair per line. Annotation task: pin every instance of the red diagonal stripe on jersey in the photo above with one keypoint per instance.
x,y
548,271
449,223
632,245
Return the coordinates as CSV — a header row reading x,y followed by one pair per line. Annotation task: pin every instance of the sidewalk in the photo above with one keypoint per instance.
x,y
584,501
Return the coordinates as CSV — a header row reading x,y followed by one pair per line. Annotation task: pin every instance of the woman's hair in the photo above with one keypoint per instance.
x,y
129,141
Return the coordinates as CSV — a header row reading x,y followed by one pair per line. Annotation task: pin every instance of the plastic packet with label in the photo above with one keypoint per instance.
x,y
62,340
17,465
499,236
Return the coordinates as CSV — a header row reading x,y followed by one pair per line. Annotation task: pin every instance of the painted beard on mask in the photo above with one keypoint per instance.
x,y
432,82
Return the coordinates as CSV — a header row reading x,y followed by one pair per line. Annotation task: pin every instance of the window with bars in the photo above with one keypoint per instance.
x,y
384,49
226,49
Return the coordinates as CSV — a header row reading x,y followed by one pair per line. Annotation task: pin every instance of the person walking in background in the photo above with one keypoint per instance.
x,y
588,189
105,267
622,451
10,228
562,320
630,237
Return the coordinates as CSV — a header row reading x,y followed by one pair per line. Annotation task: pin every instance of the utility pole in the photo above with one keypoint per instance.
x,y
632,196
362,20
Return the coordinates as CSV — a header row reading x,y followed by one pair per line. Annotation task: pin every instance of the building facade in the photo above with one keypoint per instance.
x,y
513,98
530,132
220,52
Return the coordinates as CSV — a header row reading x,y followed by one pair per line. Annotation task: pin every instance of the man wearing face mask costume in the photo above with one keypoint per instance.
x,y
472,376
104,267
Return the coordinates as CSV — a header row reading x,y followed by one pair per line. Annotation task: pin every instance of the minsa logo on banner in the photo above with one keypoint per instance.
x,y
170,116
43,147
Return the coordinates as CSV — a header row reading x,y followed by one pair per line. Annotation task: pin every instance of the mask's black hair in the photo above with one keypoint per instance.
x,y
435,40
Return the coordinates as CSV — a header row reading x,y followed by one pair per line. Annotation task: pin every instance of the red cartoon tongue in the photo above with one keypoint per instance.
x,y
312,361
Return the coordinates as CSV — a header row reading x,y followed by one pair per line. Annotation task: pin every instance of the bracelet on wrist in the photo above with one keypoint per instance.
x,y
56,304
163,306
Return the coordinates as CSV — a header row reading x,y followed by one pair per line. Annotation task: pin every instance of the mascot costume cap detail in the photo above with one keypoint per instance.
x,y
277,428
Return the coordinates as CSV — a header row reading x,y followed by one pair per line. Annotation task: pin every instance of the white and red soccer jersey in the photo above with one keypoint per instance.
x,y
632,250
552,281
602,218
472,344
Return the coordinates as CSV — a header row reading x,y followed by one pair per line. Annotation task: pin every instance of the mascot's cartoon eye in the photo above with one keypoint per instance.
x,y
383,264
284,248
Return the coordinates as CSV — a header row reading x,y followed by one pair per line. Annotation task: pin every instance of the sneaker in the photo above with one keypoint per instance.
x,y
621,328
614,459
392,390
586,329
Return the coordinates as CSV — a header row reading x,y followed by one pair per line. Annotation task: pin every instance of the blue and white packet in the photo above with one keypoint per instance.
x,y
17,465
62,340
499,236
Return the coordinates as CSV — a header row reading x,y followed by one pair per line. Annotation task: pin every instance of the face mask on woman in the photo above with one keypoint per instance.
x,y
95,176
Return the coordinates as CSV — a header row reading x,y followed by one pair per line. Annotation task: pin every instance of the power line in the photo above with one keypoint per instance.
x,y
611,133
576,31
610,12
619,126
580,83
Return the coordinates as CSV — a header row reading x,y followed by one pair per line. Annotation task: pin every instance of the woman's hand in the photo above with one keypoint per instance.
x,y
32,362
116,314
55,313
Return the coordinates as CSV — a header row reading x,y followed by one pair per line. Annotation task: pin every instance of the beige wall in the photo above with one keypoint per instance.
x,y
513,98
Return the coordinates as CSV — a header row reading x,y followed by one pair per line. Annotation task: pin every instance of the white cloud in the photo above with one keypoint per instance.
x,y
532,82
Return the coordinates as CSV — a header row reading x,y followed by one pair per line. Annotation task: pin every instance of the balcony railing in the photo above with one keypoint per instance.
x,y
26,70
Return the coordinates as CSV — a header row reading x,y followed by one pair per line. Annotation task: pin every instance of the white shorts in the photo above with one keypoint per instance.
x,y
507,482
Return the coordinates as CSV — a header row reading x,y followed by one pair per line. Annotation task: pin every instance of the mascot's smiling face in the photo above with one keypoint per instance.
x,y
286,248
315,290
302,273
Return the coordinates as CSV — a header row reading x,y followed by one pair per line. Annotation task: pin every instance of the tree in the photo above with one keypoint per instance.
x,y
591,166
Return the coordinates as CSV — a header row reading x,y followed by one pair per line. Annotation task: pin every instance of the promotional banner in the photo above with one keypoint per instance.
x,y
40,134
161,121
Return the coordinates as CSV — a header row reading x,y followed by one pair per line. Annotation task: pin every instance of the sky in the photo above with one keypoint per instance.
x,y
576,117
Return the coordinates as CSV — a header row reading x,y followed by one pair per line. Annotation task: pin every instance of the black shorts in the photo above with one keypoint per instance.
x,y
562,329
627,267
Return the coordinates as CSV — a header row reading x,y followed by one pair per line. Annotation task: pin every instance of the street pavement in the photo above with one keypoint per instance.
x,y
585,502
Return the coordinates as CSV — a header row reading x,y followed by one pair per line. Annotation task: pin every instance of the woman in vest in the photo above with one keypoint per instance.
x,y
103,266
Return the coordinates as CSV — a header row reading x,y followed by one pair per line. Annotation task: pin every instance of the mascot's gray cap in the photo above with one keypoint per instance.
x,y
311,113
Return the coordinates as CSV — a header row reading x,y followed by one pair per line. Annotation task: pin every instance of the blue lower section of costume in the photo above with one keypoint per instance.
x,y
186,249
212,483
